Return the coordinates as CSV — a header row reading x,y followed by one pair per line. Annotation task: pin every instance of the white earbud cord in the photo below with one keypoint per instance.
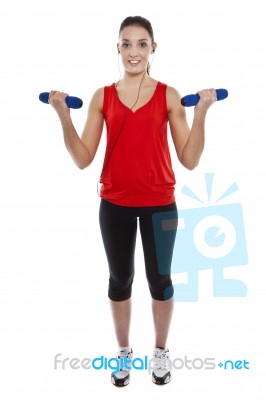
x,y
121,129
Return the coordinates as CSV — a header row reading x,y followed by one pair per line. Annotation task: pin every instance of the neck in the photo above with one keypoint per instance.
x,y
134,79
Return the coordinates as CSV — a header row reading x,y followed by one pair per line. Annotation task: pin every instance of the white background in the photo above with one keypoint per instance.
x,y
53,274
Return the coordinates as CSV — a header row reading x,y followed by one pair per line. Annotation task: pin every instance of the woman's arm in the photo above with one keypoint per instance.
x,y
83,149
189,144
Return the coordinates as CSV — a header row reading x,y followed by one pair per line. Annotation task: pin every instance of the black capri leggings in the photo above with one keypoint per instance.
x,y
119,229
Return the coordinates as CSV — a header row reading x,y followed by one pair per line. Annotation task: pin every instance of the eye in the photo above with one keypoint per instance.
x,y
125,45
143,44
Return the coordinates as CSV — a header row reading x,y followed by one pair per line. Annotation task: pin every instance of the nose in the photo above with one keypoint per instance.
x,y
133,52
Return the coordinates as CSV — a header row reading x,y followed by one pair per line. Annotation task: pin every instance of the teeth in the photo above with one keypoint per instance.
x,y
134,62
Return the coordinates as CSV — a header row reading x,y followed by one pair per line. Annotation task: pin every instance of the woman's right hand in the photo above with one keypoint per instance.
x,y
58,102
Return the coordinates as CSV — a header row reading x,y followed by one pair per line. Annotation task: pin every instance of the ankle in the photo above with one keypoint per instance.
x,y
161,346
126,349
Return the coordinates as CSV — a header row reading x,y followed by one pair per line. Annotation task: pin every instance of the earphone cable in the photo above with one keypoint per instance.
x,y
121,129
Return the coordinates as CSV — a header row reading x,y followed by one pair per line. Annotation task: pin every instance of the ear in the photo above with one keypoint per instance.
x,y
154,46
118,48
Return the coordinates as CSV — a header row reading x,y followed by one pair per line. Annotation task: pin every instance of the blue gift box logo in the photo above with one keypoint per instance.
x,y
211,237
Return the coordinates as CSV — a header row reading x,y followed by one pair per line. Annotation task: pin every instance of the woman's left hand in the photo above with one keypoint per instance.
x,y
207,98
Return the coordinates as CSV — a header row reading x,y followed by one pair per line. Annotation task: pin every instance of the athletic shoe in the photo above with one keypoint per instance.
x,y
122,377
161,366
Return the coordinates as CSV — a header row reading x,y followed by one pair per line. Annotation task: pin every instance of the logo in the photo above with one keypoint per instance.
x,y
145,363
210,237
230,364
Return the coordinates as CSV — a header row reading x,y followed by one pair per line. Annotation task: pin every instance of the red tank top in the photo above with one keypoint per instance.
x,y
137,170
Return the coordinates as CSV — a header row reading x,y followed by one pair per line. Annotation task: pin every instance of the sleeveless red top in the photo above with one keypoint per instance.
x,y
137,170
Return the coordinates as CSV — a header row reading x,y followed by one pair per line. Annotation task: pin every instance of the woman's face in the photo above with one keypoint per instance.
x,y
135,46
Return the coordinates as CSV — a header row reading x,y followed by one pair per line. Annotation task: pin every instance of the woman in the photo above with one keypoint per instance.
x,y
137,178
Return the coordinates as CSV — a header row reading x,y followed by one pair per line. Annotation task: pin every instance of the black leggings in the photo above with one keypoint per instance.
x,y
119,228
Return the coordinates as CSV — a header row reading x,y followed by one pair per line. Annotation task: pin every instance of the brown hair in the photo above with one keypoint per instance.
x,y
139,21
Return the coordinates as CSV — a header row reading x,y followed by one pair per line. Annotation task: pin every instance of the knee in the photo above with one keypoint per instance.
x,y
120,291
162,291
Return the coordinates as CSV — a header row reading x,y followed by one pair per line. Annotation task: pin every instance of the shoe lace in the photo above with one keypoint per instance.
x,y
121,357
161,362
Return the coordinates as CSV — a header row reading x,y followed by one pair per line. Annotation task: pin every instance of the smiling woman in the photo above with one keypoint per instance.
x,y
137,179
146,42
136,44
145,27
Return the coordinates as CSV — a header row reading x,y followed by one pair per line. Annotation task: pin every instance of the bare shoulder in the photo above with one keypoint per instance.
x,y
97,99
172,94
173,99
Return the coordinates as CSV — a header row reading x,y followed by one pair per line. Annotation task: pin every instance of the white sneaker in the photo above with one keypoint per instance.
x,y
161,366
122,377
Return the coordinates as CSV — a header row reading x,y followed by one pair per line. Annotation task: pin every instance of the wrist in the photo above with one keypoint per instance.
x,y
199,113
64,116
66,122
